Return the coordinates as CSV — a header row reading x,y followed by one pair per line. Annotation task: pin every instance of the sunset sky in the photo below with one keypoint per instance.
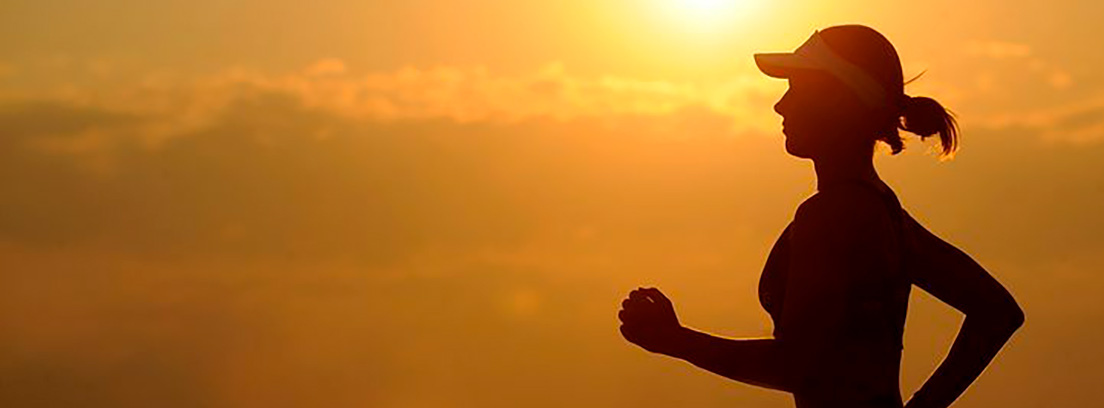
x,y
429,203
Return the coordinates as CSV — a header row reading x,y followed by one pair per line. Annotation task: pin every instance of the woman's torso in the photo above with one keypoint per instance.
x,y
870,347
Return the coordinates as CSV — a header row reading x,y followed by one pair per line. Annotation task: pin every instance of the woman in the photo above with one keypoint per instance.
x,y
836,283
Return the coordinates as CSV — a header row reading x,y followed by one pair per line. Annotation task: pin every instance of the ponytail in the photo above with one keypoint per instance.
x,y
926,117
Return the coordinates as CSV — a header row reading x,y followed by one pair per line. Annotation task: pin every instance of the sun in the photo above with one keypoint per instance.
x,y
704,6
706,15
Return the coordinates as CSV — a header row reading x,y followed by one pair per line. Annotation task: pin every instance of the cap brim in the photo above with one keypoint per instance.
x,y
782,65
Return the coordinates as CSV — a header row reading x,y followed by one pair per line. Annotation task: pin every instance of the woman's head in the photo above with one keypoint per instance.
x,y
846,92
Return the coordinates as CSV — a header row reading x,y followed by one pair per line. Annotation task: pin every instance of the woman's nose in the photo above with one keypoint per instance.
x,y
782,103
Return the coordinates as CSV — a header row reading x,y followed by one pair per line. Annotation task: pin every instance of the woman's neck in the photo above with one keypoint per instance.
x,y
842,169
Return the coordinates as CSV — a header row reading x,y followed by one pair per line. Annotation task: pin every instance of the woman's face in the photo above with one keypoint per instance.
x,y
820,115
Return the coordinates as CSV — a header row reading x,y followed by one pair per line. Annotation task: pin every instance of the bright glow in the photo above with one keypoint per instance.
x,y
705,6
708,15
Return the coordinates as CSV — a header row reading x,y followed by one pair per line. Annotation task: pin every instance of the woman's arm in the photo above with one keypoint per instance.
x,y
992,315
751,361
834,245
648,320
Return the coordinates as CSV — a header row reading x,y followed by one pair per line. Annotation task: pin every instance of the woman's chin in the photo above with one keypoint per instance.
x,y
794,149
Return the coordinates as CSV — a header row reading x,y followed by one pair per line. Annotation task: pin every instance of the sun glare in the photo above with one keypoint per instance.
x,y
706,15
704,6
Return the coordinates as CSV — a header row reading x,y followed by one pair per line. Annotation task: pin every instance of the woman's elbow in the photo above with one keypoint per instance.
x,y
1006,318
1015,317
1012,314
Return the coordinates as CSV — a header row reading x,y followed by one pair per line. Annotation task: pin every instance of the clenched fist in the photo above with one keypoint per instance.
x,y
648,320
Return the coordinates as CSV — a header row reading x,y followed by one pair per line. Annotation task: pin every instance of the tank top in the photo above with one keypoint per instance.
x,y
878,307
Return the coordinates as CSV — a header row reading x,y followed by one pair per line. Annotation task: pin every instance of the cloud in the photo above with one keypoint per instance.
x,y
175,105
991,78
1060,79
327,66
273,251
243,164
997,49
247,239
461,94
50,119
270,174
1080,123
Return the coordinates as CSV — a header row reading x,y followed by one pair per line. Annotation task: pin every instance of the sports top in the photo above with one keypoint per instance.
x,y
876,308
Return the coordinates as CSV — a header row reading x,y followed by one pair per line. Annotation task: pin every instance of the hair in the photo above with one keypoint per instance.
x,y
923,116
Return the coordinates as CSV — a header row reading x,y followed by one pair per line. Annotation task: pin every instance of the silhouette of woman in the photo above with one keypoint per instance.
x,y
836,283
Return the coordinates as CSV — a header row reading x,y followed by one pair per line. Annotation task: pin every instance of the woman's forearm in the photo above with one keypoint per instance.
x,y
977,343
753,361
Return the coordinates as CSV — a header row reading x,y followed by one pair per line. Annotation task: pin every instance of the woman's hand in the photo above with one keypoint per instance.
x,y
648,320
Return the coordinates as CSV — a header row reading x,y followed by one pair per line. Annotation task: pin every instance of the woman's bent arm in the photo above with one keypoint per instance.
x,y
750,361
648,319
992,315
977,343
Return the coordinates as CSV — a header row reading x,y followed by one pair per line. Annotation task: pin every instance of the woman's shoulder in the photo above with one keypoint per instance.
x,y
850,202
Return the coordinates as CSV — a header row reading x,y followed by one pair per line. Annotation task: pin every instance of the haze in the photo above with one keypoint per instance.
x,y
440,204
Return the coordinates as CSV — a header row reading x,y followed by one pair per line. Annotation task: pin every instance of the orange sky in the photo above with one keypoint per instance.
x,y
440,203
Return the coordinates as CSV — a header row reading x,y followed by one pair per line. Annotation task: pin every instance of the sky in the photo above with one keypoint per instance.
x,y
441,203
